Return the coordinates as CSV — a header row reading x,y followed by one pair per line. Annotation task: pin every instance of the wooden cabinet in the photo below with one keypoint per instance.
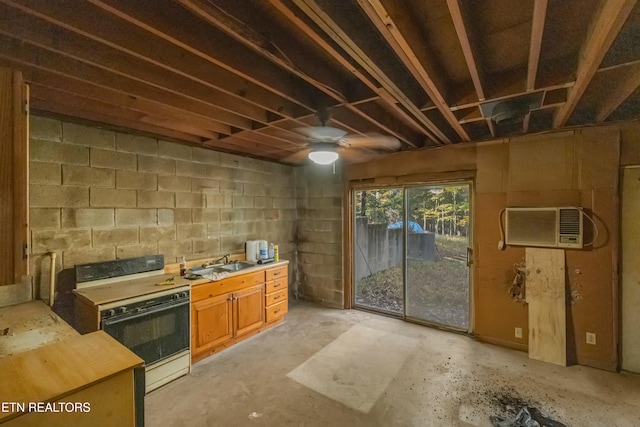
x,y
230,310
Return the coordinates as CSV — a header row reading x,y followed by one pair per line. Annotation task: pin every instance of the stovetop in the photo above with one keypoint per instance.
x,y
102,295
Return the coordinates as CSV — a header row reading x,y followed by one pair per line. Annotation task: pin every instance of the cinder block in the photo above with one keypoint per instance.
x,y
231,187
174,183
191,169
191,231
87,176
242,202
232,244
72,257
174,150
156,199
207,156
219,173
130,217
153,234
243,228
271,214
172,249
257,189
206,247
218,229
182,216
263,202
136,250
112,198
231,215
45,128
50,196
284,203
115,236
113,159
89,136
165,217
285,192
136,144
55,152
190,200
253,214
44,173
207,186
157,165
87,218
219,200
205,215
44,218
128,180
51,240
243,175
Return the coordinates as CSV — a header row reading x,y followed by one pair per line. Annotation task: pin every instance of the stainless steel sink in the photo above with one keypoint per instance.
x,y
236,266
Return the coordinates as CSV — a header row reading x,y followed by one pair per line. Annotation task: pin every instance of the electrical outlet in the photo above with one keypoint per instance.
x,y
591,338
518,332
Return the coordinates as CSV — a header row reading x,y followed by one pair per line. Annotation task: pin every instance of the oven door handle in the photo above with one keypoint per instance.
x,y
143,312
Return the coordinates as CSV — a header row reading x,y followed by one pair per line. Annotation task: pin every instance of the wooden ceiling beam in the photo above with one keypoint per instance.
x,y
333,30
128,49
109,115
537,30
393,21
224,56
215,16
470,53
363,75
625,86
605,26
115,86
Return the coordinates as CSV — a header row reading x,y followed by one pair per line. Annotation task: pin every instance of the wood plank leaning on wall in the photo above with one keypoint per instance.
x,y
14,149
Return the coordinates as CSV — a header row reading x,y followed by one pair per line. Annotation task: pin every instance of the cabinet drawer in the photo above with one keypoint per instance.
x,y
276,285
276,311
232,284
277,273
276,297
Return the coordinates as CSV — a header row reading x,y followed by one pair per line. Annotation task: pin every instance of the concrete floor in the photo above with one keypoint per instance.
x,y
326,367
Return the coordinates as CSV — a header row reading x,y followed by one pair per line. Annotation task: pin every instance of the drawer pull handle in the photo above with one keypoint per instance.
x,y
277,311
275,298
277,286
276,274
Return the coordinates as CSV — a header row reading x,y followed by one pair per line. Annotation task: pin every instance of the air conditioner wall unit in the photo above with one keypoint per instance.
x,y
553,227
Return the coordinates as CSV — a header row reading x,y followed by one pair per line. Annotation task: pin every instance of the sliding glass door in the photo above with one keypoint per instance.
x,y
379,250
437,281
410,253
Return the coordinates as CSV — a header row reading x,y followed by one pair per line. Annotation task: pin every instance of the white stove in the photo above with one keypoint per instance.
x,y
141,307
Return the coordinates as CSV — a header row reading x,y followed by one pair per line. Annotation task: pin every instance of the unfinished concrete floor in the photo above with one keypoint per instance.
x,y
326,367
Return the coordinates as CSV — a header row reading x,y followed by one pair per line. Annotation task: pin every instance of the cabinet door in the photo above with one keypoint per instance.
x,y
249,309
212,322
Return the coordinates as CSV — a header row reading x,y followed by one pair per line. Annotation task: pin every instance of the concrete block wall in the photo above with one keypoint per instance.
x,y
98,195
320,210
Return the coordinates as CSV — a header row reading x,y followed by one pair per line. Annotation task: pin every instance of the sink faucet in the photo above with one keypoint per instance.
x,y
223,257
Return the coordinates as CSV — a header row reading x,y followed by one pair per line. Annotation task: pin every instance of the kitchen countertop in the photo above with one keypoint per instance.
x,y
110,293
30,325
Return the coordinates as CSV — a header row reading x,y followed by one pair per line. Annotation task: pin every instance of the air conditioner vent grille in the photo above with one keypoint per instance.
x,y
569,221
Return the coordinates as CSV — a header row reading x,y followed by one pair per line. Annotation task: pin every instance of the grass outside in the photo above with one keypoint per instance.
x,y
438,290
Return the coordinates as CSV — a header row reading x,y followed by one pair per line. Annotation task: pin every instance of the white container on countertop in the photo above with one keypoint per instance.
x,y
251,250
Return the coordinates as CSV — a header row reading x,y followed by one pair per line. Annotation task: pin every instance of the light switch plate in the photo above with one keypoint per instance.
x,y
591,338
518,332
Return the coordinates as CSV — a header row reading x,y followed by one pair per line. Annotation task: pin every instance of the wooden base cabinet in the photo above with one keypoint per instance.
x,y
230,310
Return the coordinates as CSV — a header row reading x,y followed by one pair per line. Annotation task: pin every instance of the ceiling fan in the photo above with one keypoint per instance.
x,y
325,144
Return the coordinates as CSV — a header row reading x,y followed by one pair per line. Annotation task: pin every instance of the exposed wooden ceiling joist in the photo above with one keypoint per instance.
x,y
537,29
605,26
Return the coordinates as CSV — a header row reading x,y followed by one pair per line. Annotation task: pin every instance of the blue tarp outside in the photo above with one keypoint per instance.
x,y
414,227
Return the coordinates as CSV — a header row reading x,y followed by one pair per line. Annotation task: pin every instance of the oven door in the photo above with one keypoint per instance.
x,y
154,333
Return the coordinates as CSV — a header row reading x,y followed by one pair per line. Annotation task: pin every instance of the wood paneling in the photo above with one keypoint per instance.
x,y
13,177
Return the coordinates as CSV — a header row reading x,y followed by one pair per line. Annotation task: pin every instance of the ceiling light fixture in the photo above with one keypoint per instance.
x,y
323,156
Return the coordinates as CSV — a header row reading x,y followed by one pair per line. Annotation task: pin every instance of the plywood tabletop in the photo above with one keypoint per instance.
x,y
30,325
51,372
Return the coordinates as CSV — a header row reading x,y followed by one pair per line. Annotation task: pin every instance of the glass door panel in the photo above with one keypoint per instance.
x,y
378,250
437,232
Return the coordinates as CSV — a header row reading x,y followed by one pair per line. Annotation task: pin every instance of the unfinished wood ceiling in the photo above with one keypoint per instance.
x,y
242,76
